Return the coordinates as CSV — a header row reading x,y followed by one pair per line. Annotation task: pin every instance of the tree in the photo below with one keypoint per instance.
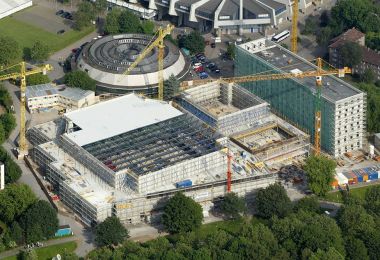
x,y
12,170
171,87
194,42
16,233
310,204
231,51
9,123
84,16
273,201
100,6
147,27
182,214
39,221
371,240
36,79
110,232
330,254
320,173
39,52
27,255
372,198
355,248
10,51
5,98
129,22
2,134
69,256
349,214
368,76
324,36
325,18
111,25
15,199
79,79
311,25
351,54
232,206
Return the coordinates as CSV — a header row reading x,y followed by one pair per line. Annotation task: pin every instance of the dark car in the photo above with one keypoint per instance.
x,y
66,15
61,31
213,45
60,12
211,65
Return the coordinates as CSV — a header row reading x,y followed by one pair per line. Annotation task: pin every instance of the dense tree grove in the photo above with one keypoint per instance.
x,y
171,87
124,21
36,79
273,201
373,106
233,206
85,14
194,42
320,173
79,79
304,233
39,52
110,232
10,51
182,214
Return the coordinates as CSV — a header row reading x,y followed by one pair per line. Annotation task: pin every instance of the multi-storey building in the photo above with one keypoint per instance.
x,y
343,106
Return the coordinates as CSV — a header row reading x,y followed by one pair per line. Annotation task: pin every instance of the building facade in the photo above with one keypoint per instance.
x,y
370,59
46,96
343,106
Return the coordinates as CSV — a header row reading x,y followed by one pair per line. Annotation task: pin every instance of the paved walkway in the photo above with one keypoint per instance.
x,y
52,242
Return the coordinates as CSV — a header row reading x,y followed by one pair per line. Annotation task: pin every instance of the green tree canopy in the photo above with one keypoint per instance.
x,y
110,232
194,42
84,15
36,79
233,206
2,133
111,25
15,199
9,123
368,76
349,214
182,214
311,25
171,87
330,254
129,22
100,6
10,51
39,52
320,173
273,201
39,221
5,98
310,204
372,198
231,51
351,54
79,79
12,170
147,27
355,248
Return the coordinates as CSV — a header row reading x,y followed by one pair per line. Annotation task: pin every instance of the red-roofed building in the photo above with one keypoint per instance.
x,y
371,58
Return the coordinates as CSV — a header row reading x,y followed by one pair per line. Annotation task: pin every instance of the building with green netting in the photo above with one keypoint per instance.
x,y
343,106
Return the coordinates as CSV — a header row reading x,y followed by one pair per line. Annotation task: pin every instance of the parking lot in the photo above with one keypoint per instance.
x,y
45,18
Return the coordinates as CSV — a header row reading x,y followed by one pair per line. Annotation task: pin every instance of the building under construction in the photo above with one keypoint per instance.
x,y
343,107
125,156
247,121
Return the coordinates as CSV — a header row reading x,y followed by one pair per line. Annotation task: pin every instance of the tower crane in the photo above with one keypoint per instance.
x,y
261,77
23,147
159,43
294,36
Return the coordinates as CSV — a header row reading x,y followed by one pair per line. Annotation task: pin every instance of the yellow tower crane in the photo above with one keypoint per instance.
x,y
23,147
159,43
261,77
294,36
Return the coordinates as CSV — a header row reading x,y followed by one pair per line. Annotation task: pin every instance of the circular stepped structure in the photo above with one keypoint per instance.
x,y
106,59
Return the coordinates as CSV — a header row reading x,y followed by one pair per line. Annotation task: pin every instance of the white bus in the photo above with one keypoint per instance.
x,y
281,36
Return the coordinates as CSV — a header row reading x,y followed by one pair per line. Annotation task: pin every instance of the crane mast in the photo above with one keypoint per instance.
x,y
294,27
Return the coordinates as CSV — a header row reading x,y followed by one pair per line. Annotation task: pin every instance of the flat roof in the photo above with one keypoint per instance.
x,y
282,59
9,5
49,89
117,116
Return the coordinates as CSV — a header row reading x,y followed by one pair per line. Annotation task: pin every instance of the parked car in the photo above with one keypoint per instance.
x,y
60,12
211,65
198,55
196,65
216,70
61,31
203,75
199,69
213,45
66,15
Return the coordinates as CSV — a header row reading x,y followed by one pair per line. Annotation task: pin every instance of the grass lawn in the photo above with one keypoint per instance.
x,y
26,34
47,253
356,192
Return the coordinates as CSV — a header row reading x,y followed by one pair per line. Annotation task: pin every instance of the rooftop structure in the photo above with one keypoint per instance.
x,y
96,123
106,59
8,7
226,107
343,106
45,96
